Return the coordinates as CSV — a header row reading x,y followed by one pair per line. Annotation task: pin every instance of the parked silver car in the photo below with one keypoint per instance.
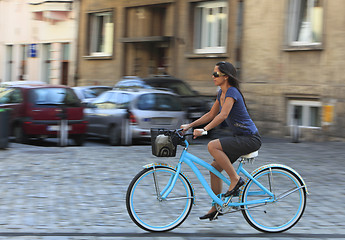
x,y
195,104
122,114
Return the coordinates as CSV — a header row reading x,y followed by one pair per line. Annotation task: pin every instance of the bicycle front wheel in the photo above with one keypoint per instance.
x,y
146,207
288,205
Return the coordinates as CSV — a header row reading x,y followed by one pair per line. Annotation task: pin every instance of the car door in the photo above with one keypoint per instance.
x,y
94,113
117,117
106,111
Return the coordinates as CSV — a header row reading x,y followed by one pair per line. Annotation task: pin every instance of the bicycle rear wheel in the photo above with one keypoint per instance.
x,y
144,203
289,204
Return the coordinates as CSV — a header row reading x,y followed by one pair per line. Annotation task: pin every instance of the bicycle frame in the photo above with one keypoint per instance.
x,y
190,160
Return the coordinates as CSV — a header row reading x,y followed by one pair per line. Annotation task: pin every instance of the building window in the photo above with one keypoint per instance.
x,y
46,62
101,34
23,64
9,63
65,55
210,28
305,22
304,113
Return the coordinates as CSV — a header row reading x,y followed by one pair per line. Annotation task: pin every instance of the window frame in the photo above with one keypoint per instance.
x,y
95,41
292,22
306,113
207,33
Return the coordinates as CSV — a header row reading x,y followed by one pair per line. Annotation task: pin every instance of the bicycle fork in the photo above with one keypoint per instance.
x,y
159,196
163,194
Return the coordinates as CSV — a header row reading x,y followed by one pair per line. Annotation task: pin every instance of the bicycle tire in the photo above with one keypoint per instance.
x,y
282,214
152,214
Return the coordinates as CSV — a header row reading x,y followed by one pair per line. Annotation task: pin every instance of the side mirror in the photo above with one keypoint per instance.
x,y
90,105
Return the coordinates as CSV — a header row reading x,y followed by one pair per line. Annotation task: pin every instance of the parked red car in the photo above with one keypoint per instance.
x,y
36,112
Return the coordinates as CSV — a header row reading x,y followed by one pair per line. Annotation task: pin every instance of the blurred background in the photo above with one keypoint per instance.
x,y
289,55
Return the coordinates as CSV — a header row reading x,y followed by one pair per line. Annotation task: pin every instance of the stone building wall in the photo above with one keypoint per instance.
x,y
274,74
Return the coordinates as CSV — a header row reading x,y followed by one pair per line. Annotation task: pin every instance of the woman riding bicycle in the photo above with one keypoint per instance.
x,y
244,138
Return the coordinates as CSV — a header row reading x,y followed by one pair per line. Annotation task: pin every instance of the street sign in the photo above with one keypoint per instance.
x,y
33,50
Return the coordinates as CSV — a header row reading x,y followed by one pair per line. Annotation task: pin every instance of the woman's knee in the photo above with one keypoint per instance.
x,y
214,145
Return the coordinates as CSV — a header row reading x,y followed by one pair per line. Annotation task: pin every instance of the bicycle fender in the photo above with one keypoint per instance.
x,y
280,166
171,167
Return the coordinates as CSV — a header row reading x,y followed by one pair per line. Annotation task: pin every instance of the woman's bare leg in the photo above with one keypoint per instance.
x,y
216,150
221,162
216,183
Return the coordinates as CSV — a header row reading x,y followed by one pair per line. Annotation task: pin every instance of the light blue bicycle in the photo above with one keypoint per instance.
x,y
160,197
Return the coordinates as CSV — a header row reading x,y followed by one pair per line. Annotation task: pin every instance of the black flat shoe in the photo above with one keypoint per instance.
x,y
235,189
210,216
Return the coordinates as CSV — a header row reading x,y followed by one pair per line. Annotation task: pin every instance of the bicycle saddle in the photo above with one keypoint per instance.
x,y
251,155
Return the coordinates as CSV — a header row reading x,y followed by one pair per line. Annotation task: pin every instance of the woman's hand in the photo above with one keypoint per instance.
x,y
199,132
185,127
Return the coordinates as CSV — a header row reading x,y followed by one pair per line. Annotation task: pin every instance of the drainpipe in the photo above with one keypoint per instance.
x,y
77,38
174,42
239,34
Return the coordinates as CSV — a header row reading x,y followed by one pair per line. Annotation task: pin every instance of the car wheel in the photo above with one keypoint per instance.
x,y
79,139
19,135
114,136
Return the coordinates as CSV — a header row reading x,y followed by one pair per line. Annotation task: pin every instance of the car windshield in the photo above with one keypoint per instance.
x,y
159,102
94,92
177,87
113,100
131,84
54,96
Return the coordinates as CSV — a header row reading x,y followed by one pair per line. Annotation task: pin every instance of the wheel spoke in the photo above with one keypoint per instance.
x,y
287,193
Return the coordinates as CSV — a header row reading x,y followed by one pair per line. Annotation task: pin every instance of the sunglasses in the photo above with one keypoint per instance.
x,y
217,74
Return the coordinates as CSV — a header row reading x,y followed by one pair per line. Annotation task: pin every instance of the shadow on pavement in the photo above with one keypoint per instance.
x,y
180,235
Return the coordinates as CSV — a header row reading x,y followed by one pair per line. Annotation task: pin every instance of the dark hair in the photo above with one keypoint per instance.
x,y
229,70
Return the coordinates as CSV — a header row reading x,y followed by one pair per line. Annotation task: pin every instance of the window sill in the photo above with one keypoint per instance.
x,y
206,55
98,57
293,48
305,127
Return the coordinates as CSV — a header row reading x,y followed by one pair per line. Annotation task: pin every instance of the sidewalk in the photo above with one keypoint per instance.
x,y
79,192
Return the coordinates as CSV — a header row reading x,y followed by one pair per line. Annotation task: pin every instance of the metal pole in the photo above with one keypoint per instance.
x,y
63,136
63,133
126,133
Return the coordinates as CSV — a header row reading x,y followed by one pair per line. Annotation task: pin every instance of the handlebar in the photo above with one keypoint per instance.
x,y
181,134
180,130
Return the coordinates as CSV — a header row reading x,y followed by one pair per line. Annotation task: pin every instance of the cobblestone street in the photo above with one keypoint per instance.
x,y
79,192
